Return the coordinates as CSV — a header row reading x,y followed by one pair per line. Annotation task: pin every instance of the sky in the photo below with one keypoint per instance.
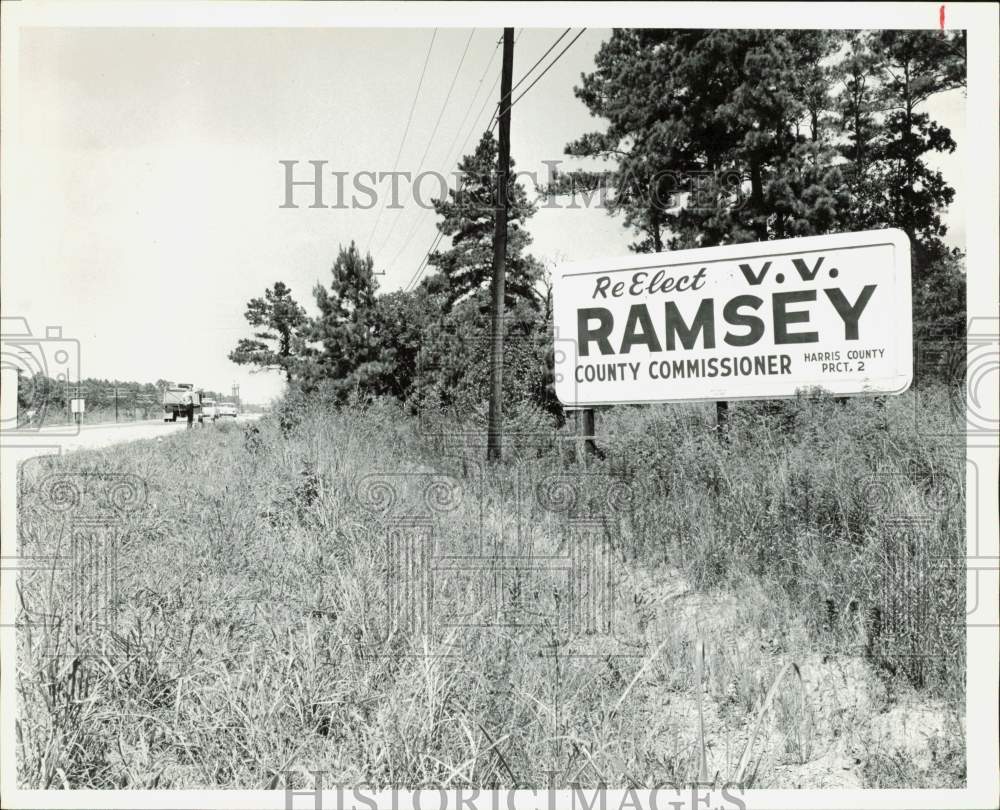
x,y
145,206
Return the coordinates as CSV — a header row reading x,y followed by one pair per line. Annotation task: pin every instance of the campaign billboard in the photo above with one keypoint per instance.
x,y
744,321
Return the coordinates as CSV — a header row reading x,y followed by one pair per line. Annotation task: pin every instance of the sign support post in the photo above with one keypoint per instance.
x,y
721,418
589,440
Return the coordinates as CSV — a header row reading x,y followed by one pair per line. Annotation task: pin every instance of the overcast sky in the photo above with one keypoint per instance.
x,y
147,186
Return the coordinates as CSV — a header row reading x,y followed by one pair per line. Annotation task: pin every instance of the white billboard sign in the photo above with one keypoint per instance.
x,y
751,321
77,405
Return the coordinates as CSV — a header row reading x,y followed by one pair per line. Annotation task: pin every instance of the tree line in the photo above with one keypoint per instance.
x,y
712,137
39,391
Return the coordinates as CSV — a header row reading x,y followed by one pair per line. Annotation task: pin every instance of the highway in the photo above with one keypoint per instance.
x,y
67,438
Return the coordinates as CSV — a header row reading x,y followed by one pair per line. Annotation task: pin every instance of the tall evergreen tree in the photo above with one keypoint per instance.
x,y
718,136
278,342
344,328
404,325
862,144
467,216
915,66
886,77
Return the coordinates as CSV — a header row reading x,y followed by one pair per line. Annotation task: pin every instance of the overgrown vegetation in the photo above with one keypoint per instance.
x,y
260,624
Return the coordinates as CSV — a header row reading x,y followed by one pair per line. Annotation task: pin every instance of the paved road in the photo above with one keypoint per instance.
x,y
93,436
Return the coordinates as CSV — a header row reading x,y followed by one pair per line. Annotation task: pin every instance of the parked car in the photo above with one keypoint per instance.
x,y
227,409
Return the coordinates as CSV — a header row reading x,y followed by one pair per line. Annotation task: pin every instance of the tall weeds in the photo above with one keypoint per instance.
x,y
257,626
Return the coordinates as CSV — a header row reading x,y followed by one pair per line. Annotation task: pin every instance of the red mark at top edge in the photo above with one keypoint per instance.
x,y
941,17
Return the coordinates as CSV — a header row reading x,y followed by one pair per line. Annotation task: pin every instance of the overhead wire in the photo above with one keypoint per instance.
x,y
430,140
538,61
416,221
475,95
440,234
406,130
414,280
497,115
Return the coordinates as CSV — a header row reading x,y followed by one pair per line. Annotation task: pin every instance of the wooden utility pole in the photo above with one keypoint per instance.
x,y
495,426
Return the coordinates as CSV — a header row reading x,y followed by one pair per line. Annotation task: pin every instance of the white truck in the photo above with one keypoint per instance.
x,y
178,399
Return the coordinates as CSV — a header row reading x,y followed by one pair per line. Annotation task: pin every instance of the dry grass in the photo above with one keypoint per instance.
x,y
257,628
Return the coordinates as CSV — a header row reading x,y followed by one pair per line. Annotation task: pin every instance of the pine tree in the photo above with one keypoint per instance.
x,y
718,136
916,65
467,216
403,324
886,77
344,328
278,343
856,109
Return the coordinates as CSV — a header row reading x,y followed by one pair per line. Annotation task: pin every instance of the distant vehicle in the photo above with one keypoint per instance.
x,y
177,399
209,410
228,409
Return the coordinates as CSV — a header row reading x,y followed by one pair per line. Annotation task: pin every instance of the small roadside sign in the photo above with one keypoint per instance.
x,y
77,405
750,321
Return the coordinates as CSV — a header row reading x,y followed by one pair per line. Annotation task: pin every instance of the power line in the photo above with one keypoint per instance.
x,y
479,84
537,63
496,114
440,235
479,114
447,97
406,130
430,140
448,159
416,221
423,262
486,100
547,69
